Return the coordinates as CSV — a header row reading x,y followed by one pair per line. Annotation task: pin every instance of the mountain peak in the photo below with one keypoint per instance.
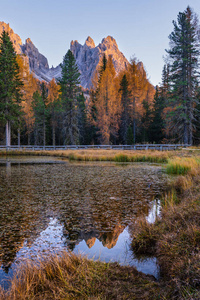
x,y
16,40
89,42
109,39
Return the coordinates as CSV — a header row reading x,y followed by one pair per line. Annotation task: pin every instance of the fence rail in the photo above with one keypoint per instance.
x,y
160,147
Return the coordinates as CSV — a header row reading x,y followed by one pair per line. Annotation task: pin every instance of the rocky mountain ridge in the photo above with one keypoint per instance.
x,y
88,57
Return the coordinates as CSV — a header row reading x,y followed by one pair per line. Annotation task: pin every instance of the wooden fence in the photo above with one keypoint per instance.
x,y
160,147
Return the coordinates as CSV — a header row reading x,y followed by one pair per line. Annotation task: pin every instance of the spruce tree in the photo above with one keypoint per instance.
x,y
184,54
69,87
125,114
158,125
40,109
10,86
82,119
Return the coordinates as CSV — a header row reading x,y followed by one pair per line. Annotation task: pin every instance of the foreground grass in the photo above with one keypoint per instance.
x,y
68,276
175,238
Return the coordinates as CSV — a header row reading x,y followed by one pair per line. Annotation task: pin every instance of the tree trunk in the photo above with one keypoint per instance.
x,y
18,136
8,134
29,138
44,134
53,135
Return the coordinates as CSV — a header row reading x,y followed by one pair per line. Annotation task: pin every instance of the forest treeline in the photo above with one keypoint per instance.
x,y
119,108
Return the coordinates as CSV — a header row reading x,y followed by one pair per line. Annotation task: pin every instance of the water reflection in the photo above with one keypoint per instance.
x,y
79,207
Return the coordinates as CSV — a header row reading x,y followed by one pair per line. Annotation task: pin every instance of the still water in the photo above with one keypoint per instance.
x,y
48,204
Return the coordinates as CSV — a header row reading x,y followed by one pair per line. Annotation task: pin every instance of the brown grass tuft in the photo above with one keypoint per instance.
x,y
68,276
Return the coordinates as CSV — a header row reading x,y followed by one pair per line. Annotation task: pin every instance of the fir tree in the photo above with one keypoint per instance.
x,y
10,86
40,110
125,115
69,88
82,119
184,55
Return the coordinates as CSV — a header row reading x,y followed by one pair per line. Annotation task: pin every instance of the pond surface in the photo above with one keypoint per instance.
x,y
48,204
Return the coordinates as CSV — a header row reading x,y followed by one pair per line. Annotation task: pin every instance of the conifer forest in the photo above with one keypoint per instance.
x,y
122,108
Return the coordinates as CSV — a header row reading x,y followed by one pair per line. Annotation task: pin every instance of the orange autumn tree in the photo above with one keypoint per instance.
x,y
30,85
108,106
53,107
141,91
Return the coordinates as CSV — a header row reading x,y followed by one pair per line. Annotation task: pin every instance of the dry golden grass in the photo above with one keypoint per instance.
x,y
175,239
183,165
101,155
68,276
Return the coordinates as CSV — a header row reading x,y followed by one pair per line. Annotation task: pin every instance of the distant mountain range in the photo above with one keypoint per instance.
x,y
88,57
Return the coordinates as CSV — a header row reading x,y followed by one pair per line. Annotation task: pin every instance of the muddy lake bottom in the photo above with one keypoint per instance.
x,y
50,205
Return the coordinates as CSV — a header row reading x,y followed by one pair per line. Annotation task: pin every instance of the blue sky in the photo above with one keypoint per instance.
x,y
141,28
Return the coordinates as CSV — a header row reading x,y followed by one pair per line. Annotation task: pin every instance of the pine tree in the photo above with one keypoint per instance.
x,y
184,54
125,115
69,88
158,125
10,86
82,118
40,110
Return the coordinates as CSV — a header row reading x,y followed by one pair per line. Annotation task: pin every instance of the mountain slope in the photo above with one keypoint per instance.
x,y
88,57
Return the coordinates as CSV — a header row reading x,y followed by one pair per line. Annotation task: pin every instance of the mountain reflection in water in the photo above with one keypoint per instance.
x,y
84,208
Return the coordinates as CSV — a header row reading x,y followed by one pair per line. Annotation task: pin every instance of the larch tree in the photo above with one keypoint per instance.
x,y
69,88
10,86
30,86
125,121
108,106
184,62
54,107
140,90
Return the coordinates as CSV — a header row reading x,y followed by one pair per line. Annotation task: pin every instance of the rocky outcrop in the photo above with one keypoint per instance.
x,y
89,56
15,38
37,62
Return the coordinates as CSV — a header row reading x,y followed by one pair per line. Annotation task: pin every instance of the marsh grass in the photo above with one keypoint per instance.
x,y
182,165
68,276
152,156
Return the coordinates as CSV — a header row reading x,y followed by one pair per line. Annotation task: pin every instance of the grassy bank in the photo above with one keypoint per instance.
x,y
100,155
175,237
74,277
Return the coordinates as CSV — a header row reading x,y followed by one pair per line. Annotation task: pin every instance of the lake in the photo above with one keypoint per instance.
x,y
49,205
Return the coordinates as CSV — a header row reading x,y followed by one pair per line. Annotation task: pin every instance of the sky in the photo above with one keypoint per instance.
x,y
141,28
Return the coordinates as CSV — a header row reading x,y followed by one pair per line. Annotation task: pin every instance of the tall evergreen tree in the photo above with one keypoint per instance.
x,y
157,127
184,54
125,114
82,118
41,112
69,87
10,86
